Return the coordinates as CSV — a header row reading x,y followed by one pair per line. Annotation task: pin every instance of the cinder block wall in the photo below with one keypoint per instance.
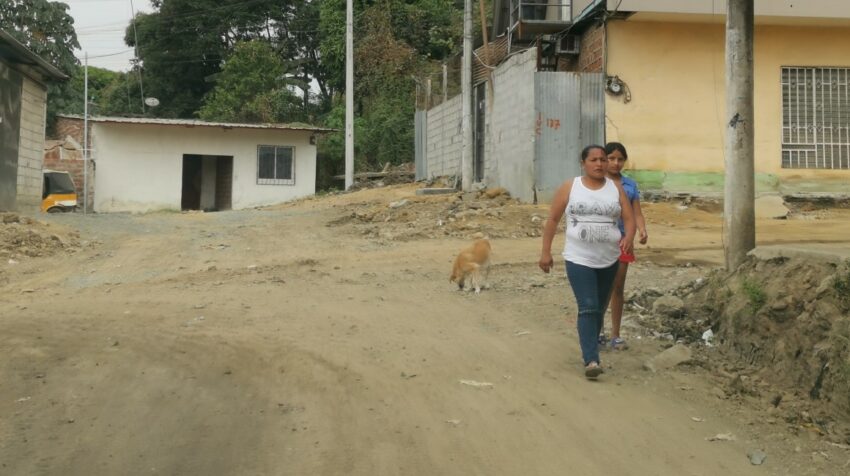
x,y
444,139
31,150
509,155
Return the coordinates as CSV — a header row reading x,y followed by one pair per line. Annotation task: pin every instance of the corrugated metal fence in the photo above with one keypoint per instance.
x,y
570,114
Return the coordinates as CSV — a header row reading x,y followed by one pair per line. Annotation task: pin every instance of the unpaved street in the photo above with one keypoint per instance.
x,y
266,342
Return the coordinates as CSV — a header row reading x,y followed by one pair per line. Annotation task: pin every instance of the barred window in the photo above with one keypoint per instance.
x,y
815,118
275,165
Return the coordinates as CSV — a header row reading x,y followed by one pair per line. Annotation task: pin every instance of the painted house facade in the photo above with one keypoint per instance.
x,y
669,60
23,111
147,164
659,67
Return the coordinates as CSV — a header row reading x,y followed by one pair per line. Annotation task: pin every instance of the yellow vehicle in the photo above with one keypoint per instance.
x,y
59,194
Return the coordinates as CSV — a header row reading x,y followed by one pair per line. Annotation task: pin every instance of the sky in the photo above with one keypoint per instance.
x,y
100,26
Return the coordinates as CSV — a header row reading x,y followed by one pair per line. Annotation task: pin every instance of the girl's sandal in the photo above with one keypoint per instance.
x,y
618,343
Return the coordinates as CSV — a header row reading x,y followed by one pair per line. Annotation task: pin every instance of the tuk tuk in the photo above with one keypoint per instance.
x,y
59,194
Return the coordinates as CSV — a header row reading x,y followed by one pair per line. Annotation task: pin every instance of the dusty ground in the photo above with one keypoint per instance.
x,y
300,340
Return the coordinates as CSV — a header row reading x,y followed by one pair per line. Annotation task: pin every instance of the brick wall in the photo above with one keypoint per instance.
x,y
591,58
65,156
69,127
31,150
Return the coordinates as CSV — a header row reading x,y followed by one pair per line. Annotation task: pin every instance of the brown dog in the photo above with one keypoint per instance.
x,y
472,263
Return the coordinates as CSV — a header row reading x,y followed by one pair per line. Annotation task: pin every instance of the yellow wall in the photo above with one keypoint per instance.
x,y
675,72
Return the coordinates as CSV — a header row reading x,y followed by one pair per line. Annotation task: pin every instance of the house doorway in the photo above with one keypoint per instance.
x,y
207,182
479,132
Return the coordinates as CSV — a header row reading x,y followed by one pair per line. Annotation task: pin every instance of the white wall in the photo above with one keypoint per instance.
x,y
139,167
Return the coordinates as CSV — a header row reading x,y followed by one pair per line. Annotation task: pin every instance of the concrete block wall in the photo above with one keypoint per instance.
x,y
31,150
509,153
444,139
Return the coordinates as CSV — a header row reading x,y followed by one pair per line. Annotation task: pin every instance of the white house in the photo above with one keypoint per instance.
x,y
144,164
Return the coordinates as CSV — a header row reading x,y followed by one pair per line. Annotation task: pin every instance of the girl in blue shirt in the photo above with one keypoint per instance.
x,y
617,157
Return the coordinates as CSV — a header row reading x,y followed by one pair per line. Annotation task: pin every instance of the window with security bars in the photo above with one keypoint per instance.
x,y
275,165
815,118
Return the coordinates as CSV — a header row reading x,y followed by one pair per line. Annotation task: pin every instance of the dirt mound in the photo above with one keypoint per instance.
x,y
492,213
782,328
24,237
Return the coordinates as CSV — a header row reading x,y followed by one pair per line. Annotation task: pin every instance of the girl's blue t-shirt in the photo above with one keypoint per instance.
x,y
632,193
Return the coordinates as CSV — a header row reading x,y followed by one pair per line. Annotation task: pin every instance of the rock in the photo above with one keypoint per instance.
x,y
670,358
757,457
771,206
399,203
496,192
670,306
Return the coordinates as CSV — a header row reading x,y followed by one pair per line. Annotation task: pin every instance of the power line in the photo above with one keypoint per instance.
x,y
111,54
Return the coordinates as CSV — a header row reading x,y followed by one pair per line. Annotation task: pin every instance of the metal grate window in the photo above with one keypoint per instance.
x,y
815,118
275,165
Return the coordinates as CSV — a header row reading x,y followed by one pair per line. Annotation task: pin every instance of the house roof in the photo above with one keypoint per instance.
x,y
197,123
16,52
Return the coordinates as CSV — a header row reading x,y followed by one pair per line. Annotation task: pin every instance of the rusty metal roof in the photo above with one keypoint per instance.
x,y
198,123
17,52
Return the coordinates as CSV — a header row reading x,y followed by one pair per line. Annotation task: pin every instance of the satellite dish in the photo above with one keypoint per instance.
x,y
152,102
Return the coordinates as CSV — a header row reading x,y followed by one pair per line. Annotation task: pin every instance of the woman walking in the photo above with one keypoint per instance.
x,y
593,204
617,157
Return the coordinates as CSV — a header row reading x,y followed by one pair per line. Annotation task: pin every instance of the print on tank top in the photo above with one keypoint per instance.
x,y
593,220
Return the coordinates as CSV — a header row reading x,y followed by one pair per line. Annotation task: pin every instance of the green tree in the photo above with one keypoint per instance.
x,y
99,80
47,30
253,86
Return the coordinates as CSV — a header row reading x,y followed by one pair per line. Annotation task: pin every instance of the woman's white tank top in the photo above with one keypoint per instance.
x,y
591,225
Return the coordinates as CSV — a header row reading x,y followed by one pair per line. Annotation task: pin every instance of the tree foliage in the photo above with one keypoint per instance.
x,y
275,60
252,87
47,30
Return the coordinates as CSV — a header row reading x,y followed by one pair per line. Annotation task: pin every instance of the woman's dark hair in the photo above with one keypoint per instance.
x,y
586,151
612,146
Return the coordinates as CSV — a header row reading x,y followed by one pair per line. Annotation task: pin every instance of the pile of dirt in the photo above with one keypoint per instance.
x,y
491,213
781,334
390,175
21,236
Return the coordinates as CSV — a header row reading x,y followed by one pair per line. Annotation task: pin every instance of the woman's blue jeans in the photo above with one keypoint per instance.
x,y
592,288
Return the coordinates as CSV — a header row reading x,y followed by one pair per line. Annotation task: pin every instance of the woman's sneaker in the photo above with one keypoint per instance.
x,y
592,371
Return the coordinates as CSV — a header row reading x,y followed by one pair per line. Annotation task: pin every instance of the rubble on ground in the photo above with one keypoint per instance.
x,y
489,212
22,237
780,336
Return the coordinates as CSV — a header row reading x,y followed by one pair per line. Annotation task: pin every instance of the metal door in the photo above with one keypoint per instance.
x,y
10,132
570,114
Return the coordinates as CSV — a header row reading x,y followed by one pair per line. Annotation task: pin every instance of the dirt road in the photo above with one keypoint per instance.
x,y
266,342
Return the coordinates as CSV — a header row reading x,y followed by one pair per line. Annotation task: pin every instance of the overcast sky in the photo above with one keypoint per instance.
x,y
100,26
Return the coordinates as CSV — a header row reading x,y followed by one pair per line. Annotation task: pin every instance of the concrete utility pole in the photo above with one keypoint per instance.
x,y
739,188
86,136
349,94
466,99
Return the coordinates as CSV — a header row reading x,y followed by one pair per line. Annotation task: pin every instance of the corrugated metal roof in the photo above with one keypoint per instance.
x,y
197,123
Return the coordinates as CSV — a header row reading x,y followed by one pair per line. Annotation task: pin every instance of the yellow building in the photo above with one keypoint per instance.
x,y
665,61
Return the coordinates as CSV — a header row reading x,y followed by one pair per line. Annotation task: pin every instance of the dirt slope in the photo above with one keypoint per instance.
x,y
272,342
